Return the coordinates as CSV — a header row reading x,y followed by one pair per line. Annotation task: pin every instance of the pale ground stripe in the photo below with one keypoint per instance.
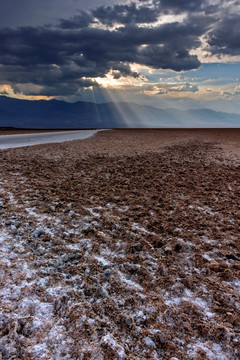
x,y
20,140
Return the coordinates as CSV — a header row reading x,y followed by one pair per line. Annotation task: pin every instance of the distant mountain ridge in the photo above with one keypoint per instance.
x,y
55,114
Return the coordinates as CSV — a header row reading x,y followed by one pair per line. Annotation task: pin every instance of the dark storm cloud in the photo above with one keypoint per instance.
x,y
79,21
60,59
111,15
225,37
179,6
121,69
125,14
62,89
171,58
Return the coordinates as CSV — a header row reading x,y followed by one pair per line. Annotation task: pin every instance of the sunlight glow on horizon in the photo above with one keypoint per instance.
x,y
6,90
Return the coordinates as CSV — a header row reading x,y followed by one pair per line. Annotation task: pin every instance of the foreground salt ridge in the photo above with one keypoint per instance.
x,y
40,311
65,271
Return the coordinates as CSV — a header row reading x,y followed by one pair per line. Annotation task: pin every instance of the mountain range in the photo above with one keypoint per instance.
x,y
56,114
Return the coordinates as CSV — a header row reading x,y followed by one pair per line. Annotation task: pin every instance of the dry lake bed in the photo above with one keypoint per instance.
x,y
124,245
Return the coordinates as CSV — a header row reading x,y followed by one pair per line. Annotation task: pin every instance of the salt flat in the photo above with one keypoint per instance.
x,y
20,140
123,246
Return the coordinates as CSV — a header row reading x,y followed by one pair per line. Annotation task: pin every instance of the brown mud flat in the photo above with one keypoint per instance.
x,y
122,246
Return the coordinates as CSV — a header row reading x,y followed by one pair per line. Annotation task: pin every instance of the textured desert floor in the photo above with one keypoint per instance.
x,y
122,246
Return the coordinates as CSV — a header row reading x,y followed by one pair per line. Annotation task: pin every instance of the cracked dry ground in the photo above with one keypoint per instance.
x,y
120,249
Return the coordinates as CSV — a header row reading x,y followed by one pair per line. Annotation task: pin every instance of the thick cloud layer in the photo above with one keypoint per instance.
x,y
63,59
126,14
225,37
16,13
178,6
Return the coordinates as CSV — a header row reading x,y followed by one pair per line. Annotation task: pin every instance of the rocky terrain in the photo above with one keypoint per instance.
x,y
122,246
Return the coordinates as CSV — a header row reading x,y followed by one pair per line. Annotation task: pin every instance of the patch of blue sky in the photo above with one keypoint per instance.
x,y
216,70
220,72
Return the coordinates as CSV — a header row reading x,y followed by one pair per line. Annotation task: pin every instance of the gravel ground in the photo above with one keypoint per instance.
x,y
122,246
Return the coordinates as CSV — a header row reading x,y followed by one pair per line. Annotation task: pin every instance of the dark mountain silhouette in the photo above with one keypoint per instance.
x,y
55,114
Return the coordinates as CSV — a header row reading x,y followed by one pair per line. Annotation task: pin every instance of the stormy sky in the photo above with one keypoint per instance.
x,y
166,53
